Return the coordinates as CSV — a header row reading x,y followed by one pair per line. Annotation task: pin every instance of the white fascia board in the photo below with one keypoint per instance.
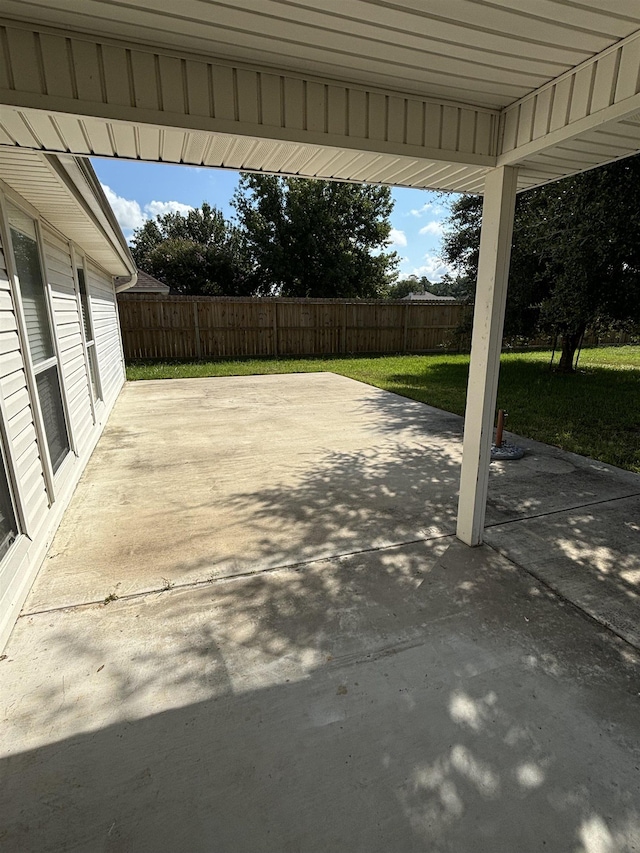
x,y
65,72
79,177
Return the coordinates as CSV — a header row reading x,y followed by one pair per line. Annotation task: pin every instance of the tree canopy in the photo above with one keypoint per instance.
x,y
196,253
316,238
575,259
293,237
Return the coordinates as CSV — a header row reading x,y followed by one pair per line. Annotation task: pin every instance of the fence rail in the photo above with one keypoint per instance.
x,y
159,326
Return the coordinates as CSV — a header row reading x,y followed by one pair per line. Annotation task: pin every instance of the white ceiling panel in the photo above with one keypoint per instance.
x,y
489,53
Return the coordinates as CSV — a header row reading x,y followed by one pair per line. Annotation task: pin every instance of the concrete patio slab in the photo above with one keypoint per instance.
x,y
414,698
202,478
302,657
590,555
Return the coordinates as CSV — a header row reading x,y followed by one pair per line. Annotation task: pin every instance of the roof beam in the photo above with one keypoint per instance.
x,y
603,90
61,72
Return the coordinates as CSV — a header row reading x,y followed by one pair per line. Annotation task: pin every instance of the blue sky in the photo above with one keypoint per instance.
x,y
139,191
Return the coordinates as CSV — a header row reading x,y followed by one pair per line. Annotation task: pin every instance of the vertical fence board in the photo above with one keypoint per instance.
x,y
183,327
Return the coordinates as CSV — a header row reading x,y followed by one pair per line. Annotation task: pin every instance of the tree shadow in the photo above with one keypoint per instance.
x,y
370,697
412,700
594,411
589,555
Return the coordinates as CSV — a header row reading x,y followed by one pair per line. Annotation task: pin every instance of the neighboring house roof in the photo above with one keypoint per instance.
x,y
148,284
428,297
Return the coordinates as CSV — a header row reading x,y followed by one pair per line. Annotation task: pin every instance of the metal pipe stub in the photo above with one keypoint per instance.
x,y
501,449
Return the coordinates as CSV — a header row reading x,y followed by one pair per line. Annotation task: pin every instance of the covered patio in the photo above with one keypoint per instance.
x,y
260,627
257,631
489,98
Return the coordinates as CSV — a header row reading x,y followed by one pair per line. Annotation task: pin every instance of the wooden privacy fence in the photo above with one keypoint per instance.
x,y
158,326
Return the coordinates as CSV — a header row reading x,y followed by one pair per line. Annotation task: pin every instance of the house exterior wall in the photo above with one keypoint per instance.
x,y
39,495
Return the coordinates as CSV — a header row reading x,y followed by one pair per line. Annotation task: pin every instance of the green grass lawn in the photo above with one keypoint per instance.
x,y
595,412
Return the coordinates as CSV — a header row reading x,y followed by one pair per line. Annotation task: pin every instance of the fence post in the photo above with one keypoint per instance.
x,y
344,329
275,329
196,323
405,335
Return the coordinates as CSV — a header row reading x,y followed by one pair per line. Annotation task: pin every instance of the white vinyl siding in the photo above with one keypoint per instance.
x,y
20,423
106,327
21,435
38,510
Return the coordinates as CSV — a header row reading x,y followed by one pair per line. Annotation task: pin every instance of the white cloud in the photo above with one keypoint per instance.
x,y
397,238
159,208
131,216
433,227
127,211
432,207
434,268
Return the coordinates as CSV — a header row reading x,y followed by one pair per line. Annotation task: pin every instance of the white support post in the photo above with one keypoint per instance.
x,y
486,343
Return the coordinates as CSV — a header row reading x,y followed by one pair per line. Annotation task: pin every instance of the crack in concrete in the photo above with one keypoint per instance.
x,y
237,576
302,563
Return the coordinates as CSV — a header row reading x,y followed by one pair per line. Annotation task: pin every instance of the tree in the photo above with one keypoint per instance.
x,y
196,253
575,258
316,238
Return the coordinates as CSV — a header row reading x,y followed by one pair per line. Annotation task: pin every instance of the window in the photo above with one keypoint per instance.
x,y
89,336
8,526
39,332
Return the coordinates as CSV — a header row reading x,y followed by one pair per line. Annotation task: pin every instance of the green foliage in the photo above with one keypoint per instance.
x,y
576,254
200,253
449,286
316,238
294,237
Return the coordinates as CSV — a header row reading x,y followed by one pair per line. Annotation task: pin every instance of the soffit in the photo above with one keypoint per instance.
x,y
32,176
103,138
469,51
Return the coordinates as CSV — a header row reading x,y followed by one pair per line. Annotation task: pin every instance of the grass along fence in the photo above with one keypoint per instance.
x,y
158,326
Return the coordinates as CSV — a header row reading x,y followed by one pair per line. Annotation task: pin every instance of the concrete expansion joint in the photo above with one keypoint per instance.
x,y
169,586
559,511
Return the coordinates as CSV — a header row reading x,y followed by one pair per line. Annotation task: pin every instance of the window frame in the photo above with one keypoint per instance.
x,y
79,261
26,530
31,370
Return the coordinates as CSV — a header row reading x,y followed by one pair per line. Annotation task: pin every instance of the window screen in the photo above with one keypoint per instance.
x,y
93,372
84,301
88,333
39,332
53,415
8,526
25,250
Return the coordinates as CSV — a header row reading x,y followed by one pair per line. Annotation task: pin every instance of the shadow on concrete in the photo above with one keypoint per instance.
x,y
396,415
590,555
350,501
368,704
409,697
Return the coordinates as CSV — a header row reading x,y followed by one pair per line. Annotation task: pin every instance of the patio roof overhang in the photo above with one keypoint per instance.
x,y
464,95
397,93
